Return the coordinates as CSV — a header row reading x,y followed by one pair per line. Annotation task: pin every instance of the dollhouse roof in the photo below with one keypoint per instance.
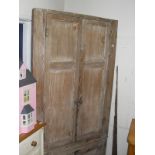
x,y
27,109
29,78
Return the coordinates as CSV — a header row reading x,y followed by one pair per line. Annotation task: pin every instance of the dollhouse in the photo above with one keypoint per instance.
x,y
27,99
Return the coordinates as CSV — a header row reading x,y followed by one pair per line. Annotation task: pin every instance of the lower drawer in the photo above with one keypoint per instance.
x,y
32,144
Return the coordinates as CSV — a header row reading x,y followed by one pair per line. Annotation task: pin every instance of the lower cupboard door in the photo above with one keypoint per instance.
x,y
91,151
59,153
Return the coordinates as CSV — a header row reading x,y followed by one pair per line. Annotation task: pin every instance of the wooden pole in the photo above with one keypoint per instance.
x,y
114,147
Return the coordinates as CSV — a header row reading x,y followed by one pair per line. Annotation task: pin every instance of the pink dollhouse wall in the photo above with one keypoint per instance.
x,y
32,102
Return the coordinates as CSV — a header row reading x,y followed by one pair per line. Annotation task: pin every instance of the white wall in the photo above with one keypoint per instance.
x,y
25,16
123,11
25,6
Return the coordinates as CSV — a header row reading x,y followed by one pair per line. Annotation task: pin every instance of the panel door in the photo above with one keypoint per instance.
x,y
60,83
93,73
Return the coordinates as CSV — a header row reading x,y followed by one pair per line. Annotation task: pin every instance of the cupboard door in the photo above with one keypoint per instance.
x,y
91,151
59,153
60,83
93,73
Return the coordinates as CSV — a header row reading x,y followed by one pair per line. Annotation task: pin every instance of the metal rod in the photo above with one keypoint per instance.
x,y
114,147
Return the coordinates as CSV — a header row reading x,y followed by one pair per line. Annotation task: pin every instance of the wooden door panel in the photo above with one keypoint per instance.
x,y
94,39
59,108
62,38
91,110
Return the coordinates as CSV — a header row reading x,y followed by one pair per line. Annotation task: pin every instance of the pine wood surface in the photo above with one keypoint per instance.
x,y
131,135
73,63
131,139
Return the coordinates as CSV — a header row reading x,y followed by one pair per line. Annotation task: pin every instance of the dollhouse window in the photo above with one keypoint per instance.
x,y
30,118
26,96
24,117
24,122
27,119
22,74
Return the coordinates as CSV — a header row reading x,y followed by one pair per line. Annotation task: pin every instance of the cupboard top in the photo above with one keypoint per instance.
x,y
77,15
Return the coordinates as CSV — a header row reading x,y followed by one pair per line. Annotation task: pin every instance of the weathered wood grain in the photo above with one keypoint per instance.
x,y
110,72
92,85
38,57
79,146
73,62
61,78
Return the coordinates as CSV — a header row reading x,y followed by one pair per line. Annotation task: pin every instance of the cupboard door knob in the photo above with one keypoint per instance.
x,y
34,143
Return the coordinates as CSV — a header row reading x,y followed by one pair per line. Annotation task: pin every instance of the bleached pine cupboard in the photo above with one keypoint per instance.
x,y
73,63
